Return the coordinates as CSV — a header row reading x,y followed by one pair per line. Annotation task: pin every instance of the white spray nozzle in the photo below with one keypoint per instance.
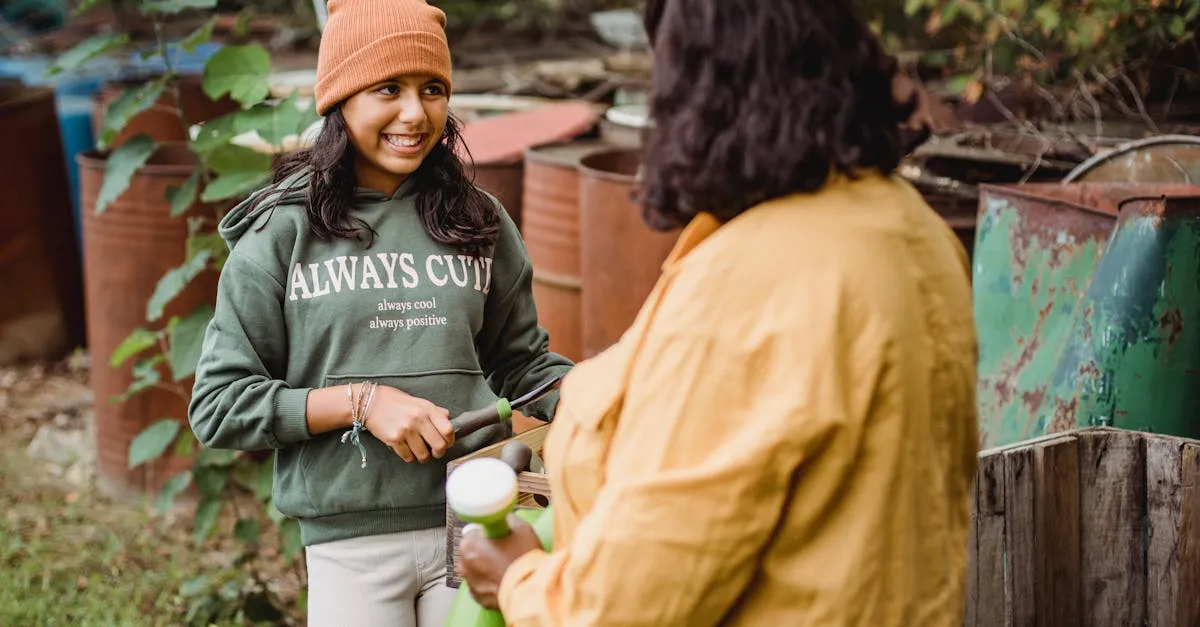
x,y
481,487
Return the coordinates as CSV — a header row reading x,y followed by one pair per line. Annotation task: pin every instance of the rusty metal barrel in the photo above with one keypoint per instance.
x,y
551,232
620,256
41,313
503,179
127,249
1046,302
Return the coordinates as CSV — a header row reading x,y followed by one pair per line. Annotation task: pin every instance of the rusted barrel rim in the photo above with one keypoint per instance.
x,y
591,167
544,154
169,159
1032,195
1160,203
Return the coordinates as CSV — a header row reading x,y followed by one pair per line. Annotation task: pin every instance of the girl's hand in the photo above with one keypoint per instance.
x,y
413,427
485,561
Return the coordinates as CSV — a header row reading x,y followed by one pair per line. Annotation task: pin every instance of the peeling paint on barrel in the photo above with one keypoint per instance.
x,y
1036,251
1123,366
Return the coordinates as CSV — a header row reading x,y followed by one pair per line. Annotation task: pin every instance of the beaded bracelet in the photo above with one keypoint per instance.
x,y
358,415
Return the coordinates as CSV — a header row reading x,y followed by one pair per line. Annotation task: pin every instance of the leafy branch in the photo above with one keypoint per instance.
x,y
164,352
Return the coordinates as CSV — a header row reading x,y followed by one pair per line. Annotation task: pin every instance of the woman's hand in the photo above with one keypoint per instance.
x,y
485,561
413,427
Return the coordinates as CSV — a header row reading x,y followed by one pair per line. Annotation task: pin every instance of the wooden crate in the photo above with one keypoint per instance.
x,y
534,491
1091,527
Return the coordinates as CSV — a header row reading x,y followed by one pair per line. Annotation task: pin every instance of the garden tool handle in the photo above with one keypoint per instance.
x,y
469,422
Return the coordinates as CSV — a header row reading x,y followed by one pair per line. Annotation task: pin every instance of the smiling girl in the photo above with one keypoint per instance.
x,y
371,292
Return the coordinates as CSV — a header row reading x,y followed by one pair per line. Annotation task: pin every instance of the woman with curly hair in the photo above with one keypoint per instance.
x,y
787,435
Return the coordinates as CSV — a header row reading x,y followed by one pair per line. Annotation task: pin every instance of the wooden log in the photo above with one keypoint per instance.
x,y
1187,603
1112,467
1019,574
1162,516
1058,584
989,603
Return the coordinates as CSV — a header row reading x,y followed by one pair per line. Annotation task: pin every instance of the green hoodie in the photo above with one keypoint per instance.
x,y
295,312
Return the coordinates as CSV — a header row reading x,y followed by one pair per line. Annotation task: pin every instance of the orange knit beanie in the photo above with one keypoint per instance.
x,y
369,41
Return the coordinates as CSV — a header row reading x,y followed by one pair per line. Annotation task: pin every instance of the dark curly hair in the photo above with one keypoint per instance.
x,y
756,99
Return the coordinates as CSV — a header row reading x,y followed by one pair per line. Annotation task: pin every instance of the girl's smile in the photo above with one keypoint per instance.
x,y
406,143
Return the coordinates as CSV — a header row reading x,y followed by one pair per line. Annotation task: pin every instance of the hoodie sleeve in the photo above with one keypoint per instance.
x,y
239,400
513,347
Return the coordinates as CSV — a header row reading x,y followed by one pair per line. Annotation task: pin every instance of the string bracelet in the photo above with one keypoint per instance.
x,y
360,404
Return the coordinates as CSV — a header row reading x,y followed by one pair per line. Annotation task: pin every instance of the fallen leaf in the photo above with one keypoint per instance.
x,y
973,92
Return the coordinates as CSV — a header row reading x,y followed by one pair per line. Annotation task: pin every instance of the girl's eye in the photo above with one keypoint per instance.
x,y
389,90
435,89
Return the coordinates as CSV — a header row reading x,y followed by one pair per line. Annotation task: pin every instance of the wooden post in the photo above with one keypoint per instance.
x,y
1094,527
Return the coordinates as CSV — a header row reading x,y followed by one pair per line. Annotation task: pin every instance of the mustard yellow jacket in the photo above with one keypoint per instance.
x,y
785,437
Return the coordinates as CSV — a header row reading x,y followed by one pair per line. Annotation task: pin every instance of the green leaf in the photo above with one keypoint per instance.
x,y
85,51
275,515
213,243
194,587
130,103
138,341
171,489
173,283
210,480
145,377
208,514
1047,17
187,338
152,442
275,123
1177,27
216,458
246,530
266,480
121,166
241,72
199,36
150,7
289,531
182,197
215,133
240,170
84,6
1012,8
185,445
232,159
233,185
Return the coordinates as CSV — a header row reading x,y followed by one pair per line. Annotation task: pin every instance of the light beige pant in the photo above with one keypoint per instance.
x,y
392,580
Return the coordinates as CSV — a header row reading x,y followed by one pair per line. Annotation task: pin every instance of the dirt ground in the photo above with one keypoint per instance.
x,y
70,556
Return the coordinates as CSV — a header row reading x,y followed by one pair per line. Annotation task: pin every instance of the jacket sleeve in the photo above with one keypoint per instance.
x,y
513,348
701,470
239,400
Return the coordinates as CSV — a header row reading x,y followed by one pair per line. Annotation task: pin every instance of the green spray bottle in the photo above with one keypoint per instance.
x,y
484,492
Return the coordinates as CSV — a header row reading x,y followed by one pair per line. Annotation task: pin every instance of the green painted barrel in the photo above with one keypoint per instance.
x,y
1132,357
1086,300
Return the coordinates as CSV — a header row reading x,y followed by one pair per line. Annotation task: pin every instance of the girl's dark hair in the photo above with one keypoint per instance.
x,y
757,99
452,209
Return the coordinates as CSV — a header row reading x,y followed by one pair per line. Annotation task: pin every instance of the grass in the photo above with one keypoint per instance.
x,y
68,559
70,556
